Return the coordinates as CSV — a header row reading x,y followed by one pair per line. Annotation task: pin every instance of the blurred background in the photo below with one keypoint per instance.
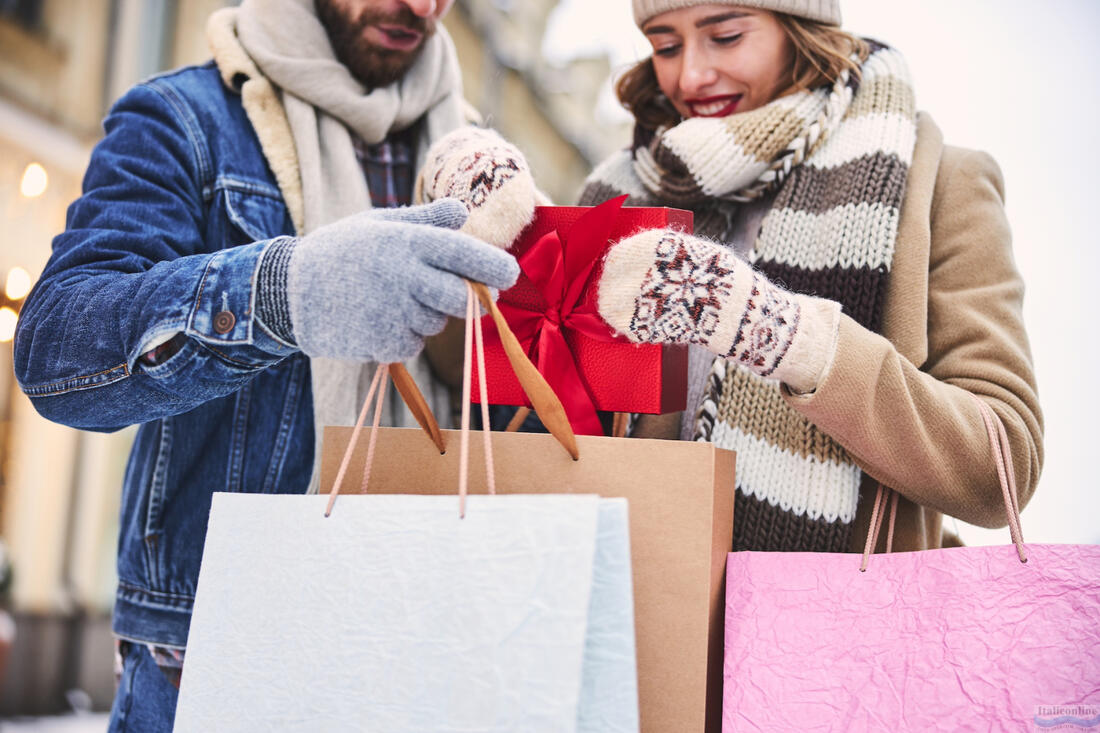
x,y
1017,79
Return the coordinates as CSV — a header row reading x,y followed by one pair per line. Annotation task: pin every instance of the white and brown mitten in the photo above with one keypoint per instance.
x,y
488,174
663,286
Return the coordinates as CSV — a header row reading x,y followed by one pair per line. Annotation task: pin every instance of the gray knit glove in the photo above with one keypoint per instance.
x,y
663,286
371,286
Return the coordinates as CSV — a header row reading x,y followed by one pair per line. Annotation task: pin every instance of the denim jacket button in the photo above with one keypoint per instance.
x,y
224,322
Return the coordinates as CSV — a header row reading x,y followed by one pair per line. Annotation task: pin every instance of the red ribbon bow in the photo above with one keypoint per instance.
x,y
560,266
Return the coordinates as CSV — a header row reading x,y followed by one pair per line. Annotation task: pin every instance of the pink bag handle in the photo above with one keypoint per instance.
x,y
1006,475
378,383
473,333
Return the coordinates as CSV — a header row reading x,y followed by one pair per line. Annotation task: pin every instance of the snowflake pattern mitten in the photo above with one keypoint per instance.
x,y
664,286
488,174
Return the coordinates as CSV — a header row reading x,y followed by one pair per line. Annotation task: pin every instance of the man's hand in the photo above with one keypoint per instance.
x,y
371,286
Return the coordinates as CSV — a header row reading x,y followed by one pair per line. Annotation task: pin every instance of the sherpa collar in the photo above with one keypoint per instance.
x,y
262,105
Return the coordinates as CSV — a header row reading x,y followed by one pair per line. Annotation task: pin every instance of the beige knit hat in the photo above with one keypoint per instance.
x,y
825,11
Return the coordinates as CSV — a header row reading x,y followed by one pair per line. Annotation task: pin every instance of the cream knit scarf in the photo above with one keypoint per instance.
x,y
323,101
837,160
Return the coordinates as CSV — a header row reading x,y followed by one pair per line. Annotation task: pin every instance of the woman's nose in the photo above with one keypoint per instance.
x,y
697,72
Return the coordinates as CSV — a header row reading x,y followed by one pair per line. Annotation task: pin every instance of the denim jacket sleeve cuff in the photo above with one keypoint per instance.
x,y
223,315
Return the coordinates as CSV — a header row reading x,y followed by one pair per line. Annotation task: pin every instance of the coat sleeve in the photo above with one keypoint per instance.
x,y
133,270
914,427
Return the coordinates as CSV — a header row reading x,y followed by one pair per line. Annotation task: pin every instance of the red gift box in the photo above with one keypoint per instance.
x,y
552,310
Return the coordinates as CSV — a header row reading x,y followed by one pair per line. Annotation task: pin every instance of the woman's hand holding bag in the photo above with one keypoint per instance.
x,y
664,286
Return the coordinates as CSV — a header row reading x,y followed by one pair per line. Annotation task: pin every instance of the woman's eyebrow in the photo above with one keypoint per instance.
x,y
721,18
656,30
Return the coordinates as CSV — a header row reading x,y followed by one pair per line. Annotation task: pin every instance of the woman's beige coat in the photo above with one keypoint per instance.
x,y
953,324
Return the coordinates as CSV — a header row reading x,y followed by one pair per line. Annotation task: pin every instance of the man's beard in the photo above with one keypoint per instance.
x,y
373,66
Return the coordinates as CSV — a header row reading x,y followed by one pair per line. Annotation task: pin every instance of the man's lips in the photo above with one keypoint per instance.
x,y
396,37
714,106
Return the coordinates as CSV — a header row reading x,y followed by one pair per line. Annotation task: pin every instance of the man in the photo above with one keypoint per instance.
x,y
225,264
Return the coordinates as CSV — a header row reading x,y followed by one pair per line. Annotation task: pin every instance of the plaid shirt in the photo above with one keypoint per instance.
x,y
168,660
388,166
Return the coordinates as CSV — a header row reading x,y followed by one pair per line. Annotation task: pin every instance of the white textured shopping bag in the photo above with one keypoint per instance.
x,y
395,614
412,613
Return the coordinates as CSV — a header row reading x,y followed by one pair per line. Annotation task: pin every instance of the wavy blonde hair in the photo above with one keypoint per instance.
x,y
821,54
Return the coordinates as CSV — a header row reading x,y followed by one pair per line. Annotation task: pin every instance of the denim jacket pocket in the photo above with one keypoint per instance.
x,y
254,212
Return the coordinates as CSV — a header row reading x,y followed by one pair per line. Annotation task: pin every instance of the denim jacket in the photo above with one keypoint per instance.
x,y
178,205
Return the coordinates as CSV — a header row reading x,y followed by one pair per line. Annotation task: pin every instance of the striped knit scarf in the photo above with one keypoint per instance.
x,y
836,159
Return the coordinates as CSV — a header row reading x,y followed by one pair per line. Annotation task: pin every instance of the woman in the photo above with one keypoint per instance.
x,y
881,293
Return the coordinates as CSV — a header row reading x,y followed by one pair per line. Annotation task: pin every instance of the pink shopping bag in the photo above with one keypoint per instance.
x,y
971,638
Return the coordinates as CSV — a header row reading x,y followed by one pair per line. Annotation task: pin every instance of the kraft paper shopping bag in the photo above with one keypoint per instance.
x,y
681,528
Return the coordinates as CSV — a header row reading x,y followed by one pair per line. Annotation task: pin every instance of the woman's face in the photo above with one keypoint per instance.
x,y
716,60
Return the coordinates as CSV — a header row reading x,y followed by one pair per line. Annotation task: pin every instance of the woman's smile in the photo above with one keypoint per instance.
x,y
718,106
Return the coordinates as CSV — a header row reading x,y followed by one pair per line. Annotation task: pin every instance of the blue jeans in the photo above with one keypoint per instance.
x,y
145,701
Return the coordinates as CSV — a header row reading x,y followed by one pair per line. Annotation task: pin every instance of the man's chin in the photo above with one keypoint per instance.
x,y
357,44
380,68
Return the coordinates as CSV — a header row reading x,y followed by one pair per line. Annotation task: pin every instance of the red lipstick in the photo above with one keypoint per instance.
x,y
718,106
